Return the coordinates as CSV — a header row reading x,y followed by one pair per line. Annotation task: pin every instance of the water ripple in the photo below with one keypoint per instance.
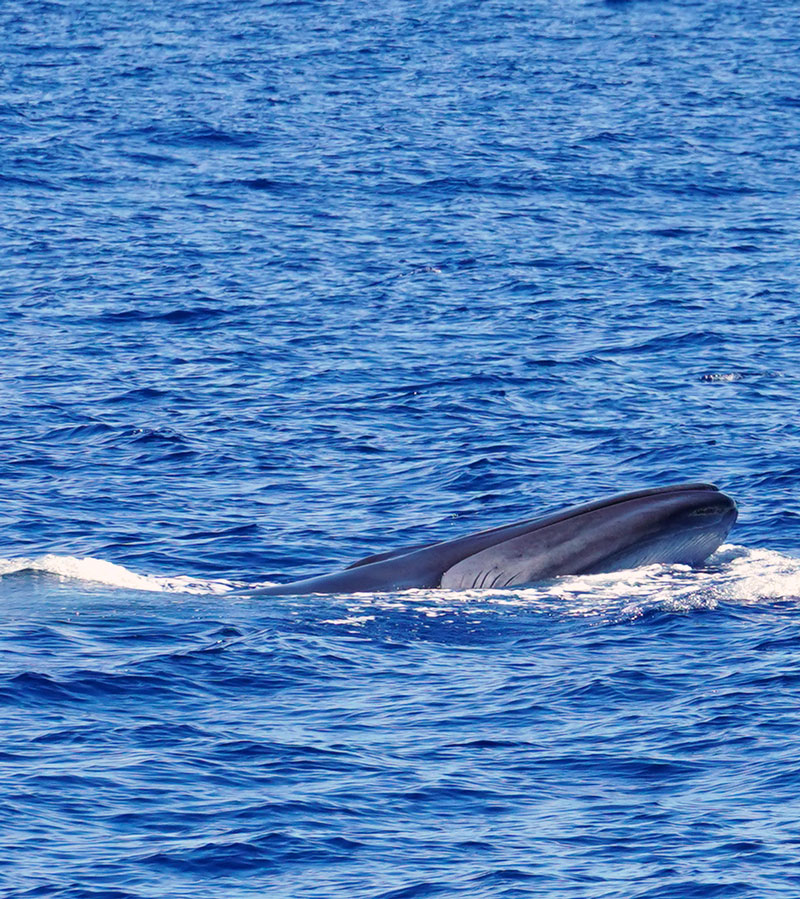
x,y
287,284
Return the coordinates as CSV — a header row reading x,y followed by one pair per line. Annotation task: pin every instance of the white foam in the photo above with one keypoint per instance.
x,y
99,571
350,620
757,574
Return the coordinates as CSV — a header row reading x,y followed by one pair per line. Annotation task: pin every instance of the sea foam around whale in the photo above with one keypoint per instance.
x,y
735,574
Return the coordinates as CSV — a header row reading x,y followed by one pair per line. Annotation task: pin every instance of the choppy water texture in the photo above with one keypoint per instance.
x,y
284,284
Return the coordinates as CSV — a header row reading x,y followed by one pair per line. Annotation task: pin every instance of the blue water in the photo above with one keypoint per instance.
x,y
287,283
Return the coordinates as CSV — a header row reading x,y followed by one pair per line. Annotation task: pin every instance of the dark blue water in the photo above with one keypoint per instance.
x,y
284,284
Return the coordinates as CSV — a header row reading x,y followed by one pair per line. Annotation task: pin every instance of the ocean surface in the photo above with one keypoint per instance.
x,y
288,283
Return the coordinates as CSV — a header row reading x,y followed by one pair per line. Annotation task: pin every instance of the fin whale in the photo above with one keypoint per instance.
x,y
683,523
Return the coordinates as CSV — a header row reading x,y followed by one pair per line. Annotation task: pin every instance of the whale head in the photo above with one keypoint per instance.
x,y
678,525
681,524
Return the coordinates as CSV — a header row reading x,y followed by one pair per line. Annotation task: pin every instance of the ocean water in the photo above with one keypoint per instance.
x,y
287,283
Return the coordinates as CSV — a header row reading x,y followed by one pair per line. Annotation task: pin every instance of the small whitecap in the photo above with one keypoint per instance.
x,y
722,377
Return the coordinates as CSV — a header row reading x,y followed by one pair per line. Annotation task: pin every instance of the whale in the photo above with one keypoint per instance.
x,y
679,524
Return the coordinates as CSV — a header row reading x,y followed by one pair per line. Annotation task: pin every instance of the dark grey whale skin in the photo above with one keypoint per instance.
x,y
684,524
